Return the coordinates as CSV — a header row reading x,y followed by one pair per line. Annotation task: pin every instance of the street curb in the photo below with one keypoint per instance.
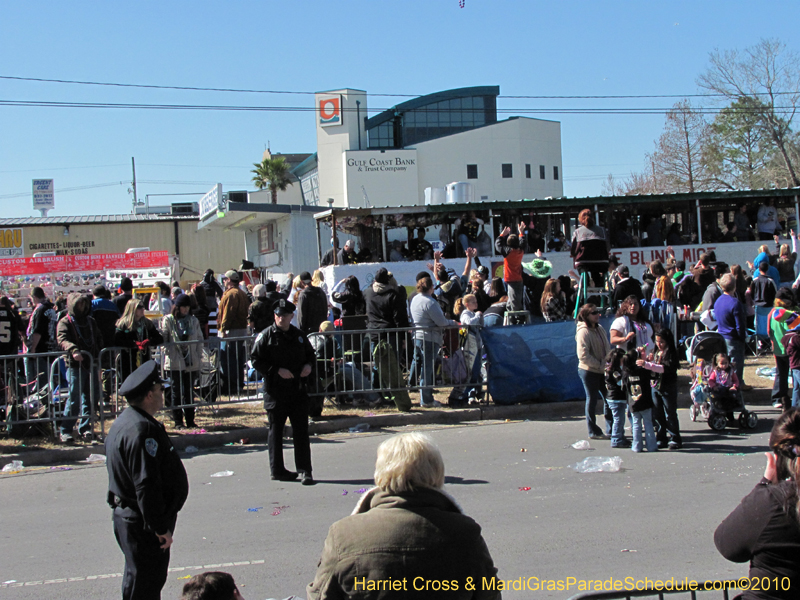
x,y
258,435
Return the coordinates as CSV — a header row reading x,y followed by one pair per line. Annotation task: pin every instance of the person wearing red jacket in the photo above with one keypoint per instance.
x,y
512,248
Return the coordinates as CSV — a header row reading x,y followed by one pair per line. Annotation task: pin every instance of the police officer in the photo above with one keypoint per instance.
x,y
147,485
285,358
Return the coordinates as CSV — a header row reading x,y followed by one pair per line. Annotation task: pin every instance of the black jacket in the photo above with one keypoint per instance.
x,y
626,287
127,338
533,287
273,297
312,309
106,319
275,349
144,471
763,290
385,308
764,530
352,302
260,315
637,384
121,301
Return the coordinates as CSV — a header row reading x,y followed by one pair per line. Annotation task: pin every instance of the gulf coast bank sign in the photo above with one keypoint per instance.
x,y
330,110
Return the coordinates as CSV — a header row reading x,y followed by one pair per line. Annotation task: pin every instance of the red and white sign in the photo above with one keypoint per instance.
x,y
330,110
83,262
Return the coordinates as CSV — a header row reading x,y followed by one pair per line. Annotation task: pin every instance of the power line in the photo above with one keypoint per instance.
x,y
208,107
305,93
63,168
70,189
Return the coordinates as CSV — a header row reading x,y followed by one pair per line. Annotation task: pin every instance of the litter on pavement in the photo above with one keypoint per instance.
x,y
222,474
598,464
582,445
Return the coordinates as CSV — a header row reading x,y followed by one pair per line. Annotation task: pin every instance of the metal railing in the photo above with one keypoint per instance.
x,y
368,364
364,366
43,396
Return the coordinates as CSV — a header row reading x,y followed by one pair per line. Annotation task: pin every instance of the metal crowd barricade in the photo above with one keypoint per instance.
x,y
366,365
35,390
211,373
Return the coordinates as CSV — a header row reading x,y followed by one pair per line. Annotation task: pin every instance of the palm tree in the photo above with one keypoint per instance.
x,y
274,174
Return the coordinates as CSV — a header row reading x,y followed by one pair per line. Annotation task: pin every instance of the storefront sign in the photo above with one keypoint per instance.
x,y
66,248
381,164
210,203
387,178
83,262
43,195
11,245
330,110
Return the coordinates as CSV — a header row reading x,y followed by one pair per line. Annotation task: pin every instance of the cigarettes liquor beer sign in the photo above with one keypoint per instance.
x,y
43,197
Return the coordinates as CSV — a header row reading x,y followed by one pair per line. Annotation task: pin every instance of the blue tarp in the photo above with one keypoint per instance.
x,y
534,363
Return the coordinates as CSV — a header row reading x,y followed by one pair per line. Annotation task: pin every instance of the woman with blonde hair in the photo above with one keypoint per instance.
x,y
137,335
318,280
785,263
297,287
407,524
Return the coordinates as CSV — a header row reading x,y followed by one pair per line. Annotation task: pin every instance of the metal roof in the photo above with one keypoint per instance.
x,y
419,102
729,198
92,219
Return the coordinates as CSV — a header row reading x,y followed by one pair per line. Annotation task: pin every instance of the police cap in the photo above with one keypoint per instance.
x,y
140,381
283,307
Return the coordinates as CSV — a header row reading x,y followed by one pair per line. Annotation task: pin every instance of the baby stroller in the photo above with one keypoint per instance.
x,y
714,405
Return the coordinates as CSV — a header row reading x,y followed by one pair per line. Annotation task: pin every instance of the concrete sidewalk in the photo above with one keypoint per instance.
x,y
258,435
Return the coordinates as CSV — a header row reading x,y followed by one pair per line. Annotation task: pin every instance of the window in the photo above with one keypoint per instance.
x,y
555,173
527,171
541,171
508,171
472,171
266,239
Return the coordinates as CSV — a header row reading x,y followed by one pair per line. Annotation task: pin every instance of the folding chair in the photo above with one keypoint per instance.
x,y
760,333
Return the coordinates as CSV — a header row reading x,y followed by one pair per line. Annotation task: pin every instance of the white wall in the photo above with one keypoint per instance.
x,y
333,141
293,195
296,242
635,258
517,141
388,176
438,162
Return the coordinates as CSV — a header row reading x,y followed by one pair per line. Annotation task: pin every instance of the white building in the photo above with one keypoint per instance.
x,y
389,159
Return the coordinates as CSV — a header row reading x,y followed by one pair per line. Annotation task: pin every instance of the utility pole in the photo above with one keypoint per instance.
x,y
135,197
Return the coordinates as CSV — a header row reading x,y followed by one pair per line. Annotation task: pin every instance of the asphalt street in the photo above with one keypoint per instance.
x,y
654,519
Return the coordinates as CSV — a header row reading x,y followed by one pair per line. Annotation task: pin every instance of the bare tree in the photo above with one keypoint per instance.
x,y
767,73
676,162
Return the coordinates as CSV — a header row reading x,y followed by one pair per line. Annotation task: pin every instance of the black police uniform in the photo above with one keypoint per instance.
x,y
275,349
147,486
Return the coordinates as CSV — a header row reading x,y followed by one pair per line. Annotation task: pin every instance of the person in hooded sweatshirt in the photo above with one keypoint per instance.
x,y
79,336
213,289
312,305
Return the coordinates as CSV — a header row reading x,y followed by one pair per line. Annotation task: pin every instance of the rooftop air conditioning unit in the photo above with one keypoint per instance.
x,y
237,197
184,208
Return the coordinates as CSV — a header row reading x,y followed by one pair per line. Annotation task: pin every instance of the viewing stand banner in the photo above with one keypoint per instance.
x,y
83,262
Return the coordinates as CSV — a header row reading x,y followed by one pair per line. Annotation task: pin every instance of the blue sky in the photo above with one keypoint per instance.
x,y
412,47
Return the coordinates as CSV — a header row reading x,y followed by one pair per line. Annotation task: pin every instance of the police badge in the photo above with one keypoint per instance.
x,y
151,446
